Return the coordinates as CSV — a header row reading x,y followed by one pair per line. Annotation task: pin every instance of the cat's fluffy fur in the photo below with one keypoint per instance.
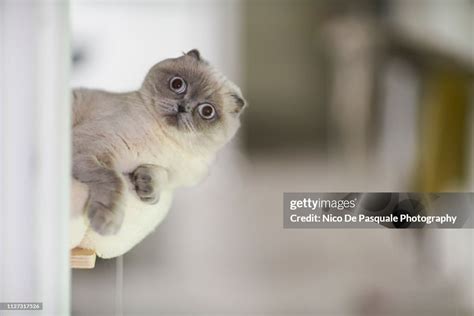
x,y
155,139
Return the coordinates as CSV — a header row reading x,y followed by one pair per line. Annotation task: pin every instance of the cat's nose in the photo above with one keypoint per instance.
x,y
181,108
184,108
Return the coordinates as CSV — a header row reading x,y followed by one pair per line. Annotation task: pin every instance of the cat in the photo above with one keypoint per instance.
x,y
164,135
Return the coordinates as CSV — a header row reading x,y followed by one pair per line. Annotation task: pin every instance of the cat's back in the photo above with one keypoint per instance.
x,y
91,105
114,123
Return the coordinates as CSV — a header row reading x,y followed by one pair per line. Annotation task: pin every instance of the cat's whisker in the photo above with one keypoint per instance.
x,y
154,98
189,124
139,98
186,125
167,108
183,122
165,104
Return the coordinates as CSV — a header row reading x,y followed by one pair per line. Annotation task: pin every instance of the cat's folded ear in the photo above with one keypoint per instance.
x,y
239,102
195,54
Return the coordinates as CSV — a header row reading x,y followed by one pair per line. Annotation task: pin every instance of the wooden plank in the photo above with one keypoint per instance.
x,y
82,258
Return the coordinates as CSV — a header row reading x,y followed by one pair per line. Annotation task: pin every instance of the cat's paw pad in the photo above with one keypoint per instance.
x,y
145,186
105,220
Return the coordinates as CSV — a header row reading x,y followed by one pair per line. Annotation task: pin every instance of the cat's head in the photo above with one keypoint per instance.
x,y
194,100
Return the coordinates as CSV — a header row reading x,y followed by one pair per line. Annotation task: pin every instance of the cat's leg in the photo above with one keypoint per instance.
x,y
148,180
106,187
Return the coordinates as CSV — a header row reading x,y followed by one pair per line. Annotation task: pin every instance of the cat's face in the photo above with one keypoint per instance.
x,y
193,99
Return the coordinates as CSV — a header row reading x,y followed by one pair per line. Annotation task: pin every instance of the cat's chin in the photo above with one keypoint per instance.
x,y
174,122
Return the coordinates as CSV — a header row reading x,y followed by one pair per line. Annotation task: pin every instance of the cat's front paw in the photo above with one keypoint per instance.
x,y
144,181
105,220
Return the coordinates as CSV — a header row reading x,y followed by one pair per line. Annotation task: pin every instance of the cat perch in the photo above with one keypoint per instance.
x,y
82,258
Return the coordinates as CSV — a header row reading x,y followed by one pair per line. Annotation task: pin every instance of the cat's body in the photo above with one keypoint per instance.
x,y
157,138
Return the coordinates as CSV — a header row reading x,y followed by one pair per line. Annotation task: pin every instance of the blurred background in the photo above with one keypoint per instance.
x,y
345,96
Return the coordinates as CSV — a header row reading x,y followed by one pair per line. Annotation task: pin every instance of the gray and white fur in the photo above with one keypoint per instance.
x,y
162,136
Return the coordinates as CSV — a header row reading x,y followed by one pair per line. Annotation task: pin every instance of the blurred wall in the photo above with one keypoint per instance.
x,y
284,74
116,43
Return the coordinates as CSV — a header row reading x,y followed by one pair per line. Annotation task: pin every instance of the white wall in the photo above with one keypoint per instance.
x,y
122,40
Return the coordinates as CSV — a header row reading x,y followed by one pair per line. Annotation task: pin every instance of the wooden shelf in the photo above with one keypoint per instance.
x,y
82,258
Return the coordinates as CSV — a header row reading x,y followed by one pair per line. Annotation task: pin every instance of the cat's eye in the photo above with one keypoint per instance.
x,y
206,111
178,85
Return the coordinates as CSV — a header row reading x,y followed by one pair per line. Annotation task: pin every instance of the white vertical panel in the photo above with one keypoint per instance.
x,y
35,165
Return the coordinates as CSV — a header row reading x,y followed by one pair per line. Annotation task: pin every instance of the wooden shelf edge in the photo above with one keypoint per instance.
x,y
82,258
